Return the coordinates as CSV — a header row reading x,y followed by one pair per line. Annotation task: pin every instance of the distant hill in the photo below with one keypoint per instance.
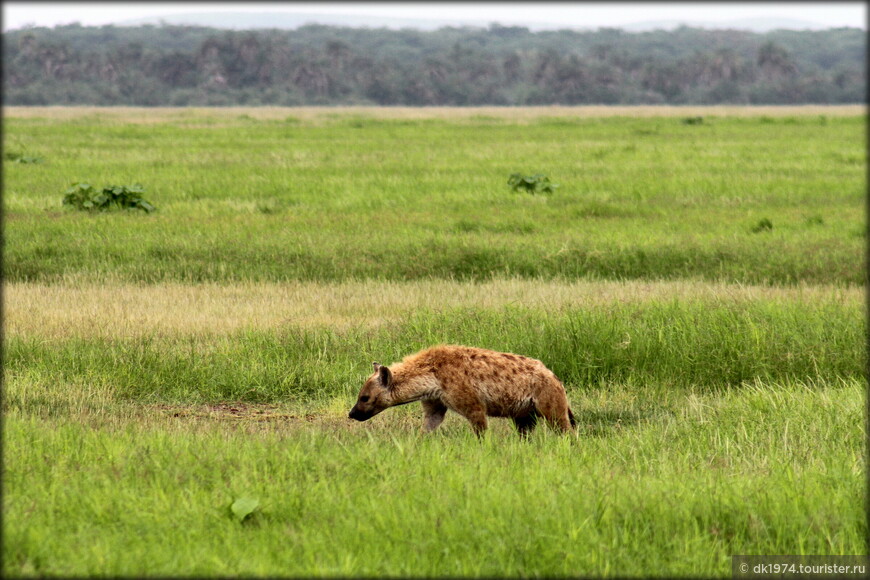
x,y
287,20
460,66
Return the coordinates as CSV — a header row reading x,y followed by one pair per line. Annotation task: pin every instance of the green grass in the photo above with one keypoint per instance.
x,y
776,469
159,367
679,344
705,430
255,200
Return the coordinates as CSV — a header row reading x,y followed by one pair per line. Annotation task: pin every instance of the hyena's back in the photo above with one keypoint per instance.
x,y
508,385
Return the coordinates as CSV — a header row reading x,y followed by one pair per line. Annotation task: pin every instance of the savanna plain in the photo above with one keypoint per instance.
x,y
176,383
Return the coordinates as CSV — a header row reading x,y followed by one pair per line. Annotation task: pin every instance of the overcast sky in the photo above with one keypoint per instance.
x,y
579,14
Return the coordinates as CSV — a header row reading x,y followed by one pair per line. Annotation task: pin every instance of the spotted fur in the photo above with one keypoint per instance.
x,y
474,382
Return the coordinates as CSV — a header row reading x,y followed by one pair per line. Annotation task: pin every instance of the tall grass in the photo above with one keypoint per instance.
x,y
678,344
84,309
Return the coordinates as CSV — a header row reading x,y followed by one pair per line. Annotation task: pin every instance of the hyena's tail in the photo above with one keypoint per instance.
x,y
571,418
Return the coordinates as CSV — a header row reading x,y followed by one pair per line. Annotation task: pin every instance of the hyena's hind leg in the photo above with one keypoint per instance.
x,y
526,423
433,414
472,408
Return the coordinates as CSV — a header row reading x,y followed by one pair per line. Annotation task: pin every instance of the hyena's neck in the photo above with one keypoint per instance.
x,y
409,387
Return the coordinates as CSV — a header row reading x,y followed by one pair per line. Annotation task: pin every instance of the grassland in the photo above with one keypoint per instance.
x,y
639,198
158,367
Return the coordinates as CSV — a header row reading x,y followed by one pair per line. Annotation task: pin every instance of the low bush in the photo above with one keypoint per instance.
x,y
83,196
537,183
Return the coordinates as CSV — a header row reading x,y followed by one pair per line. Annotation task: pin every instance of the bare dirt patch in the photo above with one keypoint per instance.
x,y
268,418
234,411
249,417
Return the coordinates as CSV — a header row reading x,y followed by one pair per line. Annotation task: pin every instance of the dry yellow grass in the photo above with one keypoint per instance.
x,y
118,310
316,115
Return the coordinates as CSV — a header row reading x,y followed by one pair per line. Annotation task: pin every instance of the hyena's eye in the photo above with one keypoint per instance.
x,y
364,399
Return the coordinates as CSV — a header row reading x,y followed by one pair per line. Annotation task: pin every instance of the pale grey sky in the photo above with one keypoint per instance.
x,y
579,14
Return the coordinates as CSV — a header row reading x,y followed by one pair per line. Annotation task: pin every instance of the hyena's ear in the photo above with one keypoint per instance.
x,y
386,376
376,365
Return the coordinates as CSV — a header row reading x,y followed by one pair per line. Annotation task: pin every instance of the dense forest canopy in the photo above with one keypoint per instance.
x,y
327,65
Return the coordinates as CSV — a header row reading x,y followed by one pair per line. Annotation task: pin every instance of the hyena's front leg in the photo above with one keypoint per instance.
x,y
554,408
433,414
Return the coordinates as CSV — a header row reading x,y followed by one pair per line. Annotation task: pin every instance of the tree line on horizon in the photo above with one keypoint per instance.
x,y
171,65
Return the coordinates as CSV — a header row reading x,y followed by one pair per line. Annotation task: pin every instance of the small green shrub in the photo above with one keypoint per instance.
x,y
83,196
21,157
764,225
693,121
537,183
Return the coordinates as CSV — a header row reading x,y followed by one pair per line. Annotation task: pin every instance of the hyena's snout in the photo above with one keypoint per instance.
x,y
359,414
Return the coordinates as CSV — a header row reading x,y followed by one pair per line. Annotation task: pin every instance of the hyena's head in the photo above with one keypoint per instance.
x,y
374,397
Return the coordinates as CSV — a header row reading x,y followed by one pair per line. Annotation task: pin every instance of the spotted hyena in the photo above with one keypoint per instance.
x,y
474,382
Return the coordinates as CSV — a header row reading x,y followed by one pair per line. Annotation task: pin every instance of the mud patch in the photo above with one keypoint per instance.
x,y
235,411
